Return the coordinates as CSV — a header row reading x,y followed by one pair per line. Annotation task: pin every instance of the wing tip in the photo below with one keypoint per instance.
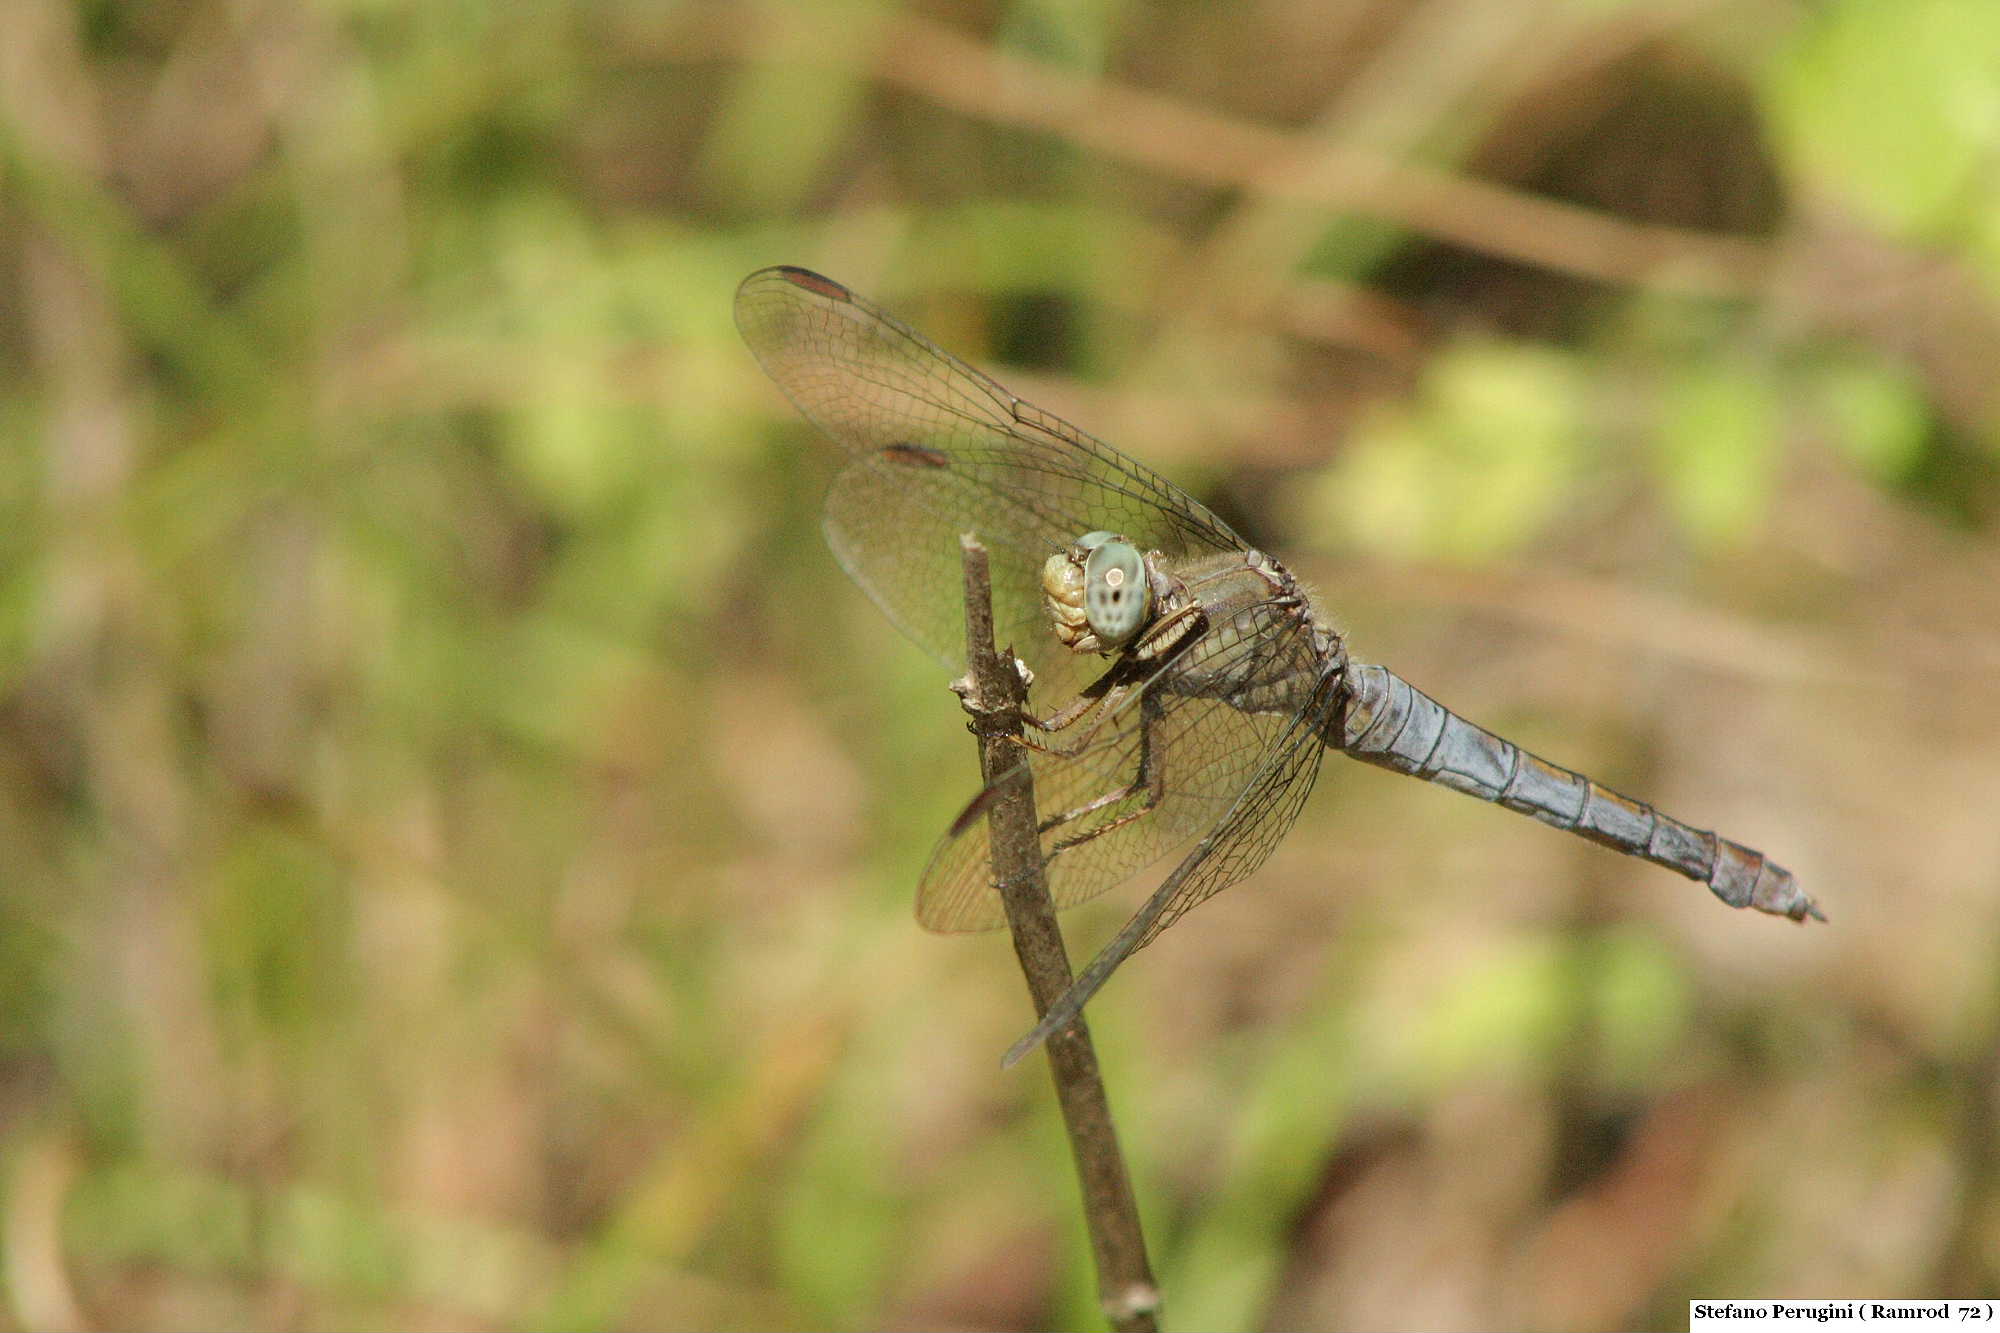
x,y
805,279
1020,1049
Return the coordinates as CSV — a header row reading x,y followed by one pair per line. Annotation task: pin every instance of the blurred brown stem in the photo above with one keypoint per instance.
x,y
994,694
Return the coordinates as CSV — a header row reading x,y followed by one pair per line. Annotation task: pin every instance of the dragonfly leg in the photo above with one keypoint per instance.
x,y
1107,694
1168,632
1101,692
1149,778
1107,704
1066,716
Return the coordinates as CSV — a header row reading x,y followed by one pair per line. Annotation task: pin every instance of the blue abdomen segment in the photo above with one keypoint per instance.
x,y
1391,723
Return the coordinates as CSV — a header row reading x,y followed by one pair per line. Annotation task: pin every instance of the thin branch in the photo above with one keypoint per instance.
x,y
1192,142
994,693
1195,143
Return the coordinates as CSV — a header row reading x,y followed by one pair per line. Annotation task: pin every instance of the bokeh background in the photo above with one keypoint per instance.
x,y
458,825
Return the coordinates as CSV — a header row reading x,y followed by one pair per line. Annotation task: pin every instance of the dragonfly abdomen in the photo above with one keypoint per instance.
x,y
1389,722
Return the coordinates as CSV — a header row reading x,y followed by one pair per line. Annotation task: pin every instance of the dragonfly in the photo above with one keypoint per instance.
x,y
1183,684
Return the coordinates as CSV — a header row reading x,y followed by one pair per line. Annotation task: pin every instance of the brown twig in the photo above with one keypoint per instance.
x,y
1187,141
994,693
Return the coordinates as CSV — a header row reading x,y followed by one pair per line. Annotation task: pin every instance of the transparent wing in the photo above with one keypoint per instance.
x,y
934,448
1238,844
1160,773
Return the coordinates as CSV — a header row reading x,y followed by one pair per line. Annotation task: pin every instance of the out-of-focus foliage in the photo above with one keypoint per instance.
x,y
457,824
1476,463
1893,110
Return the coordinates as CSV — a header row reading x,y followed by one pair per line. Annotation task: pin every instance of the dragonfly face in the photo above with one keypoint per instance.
x,y
1116,600
1097,593
1104,597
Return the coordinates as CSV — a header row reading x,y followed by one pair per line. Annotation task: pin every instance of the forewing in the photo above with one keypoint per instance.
x,y
934,449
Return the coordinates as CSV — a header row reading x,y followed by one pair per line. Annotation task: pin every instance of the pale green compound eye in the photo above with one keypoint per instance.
x,y
1116,600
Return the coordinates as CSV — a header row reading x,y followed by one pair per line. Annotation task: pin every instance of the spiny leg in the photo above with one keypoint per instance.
x,y
1070,713
1162,642
1108,690
1106,694
1169,632
1149,777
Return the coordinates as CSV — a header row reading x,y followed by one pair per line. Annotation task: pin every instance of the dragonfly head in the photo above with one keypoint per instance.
x,y
1097,593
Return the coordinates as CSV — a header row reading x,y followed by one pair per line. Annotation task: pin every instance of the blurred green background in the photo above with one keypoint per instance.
x,y
457,823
